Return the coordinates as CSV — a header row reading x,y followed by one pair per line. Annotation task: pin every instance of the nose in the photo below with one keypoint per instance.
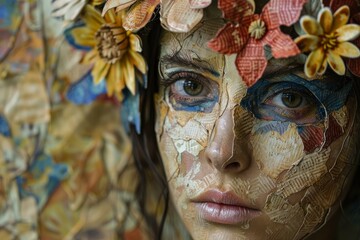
x,y
227,152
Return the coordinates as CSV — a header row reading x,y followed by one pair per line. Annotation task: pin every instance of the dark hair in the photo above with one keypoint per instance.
x,y
145,150
146,153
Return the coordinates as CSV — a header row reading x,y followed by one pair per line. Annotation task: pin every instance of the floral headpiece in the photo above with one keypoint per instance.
x,y
107,31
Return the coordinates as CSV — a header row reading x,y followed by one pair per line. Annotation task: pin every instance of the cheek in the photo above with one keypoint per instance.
x,y
308,192
314,137
276,146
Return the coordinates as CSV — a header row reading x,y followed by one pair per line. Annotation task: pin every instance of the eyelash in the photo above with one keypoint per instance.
x,y
306,112
182,101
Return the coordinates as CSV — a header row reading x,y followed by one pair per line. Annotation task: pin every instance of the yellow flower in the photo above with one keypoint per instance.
x,y
115,51
327,40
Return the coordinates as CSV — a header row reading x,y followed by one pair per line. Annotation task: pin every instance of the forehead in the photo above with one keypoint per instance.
x,y
193,45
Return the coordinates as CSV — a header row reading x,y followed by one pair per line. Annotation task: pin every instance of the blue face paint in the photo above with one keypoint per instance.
x,y
320,96
191,92
204,105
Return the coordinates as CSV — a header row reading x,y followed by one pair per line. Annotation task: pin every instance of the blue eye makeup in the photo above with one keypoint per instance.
x,y
190,91
290,98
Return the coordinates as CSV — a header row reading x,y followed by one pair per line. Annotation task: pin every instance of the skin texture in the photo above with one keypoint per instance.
x,y
293,170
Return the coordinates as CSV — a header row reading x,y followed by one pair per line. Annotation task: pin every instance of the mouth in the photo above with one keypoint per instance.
x,y
224,208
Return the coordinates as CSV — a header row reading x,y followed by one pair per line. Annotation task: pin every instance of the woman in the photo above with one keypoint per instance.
x,y
272,159
243,117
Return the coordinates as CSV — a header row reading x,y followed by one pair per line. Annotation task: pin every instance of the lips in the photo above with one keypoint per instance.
x,y
224,208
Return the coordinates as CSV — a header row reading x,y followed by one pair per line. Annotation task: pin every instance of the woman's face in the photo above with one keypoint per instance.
x,y
267,162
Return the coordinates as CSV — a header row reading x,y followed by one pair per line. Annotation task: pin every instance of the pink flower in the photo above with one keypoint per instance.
x,y
247,33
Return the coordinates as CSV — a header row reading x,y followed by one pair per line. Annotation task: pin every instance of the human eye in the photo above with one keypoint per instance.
x,y
190,91
285,101
291,104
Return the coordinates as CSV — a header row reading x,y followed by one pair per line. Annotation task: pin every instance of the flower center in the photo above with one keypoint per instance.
x,y
257,29
112,42
329,41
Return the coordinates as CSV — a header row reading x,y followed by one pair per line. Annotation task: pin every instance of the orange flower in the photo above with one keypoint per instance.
x,y
327,40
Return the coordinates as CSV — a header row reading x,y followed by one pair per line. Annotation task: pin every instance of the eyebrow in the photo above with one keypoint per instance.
x,y
187,61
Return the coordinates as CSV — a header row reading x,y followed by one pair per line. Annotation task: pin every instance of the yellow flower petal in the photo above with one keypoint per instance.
x,y
326,19
307,43
347,49
129,75
322,68
135,43
110,16
90,56
137,60
311,26
96,2
92,18
100,70
314,62
84,36
341,17
348,32
120,79
110,80
336,62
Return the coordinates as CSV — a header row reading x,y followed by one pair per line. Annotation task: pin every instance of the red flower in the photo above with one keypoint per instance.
x,y
248,33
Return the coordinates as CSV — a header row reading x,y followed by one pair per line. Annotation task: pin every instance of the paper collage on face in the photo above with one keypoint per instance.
x,y
282,139
255,99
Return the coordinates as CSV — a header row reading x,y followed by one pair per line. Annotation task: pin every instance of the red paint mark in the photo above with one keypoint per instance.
x,y
333,132
313,137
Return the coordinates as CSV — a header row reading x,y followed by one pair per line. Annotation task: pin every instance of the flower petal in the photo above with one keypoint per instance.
x,y
348,32
347,49
119,4
322,68
100,70
336,62
139,14
129,75
229,39
92,18
177,16
341,17
110,16
90,56
325,19
282,45
314,62
110,80
251,62
119,77
307,43
83,37
311,26
199,3
68,9
135,43
137,60
236,10
282,12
